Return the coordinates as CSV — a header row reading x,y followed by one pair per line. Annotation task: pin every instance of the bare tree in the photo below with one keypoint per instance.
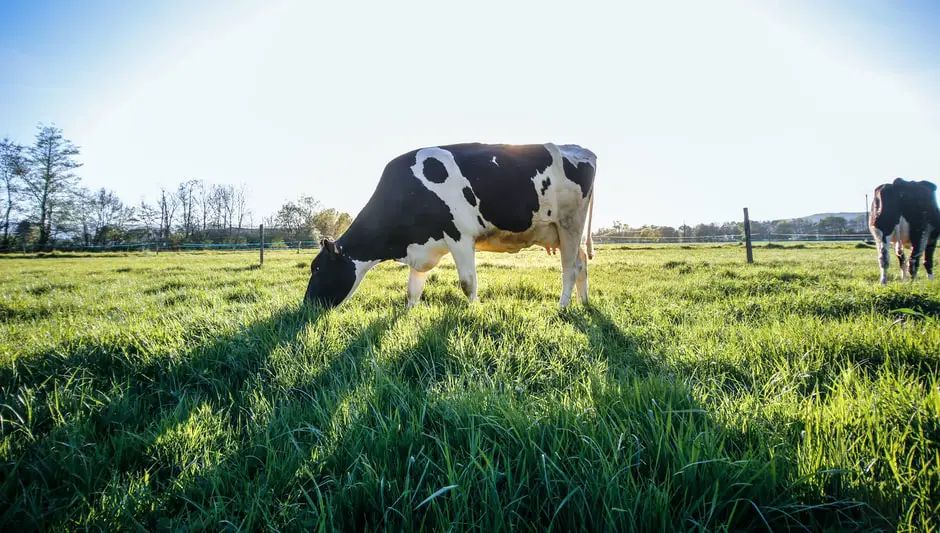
x,y
186,197
204,194
241,204
150,217
290,217
168,205
12,169
83,216
50,177
107,214
227,203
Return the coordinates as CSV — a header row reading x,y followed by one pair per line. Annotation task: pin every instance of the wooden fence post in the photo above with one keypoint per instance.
x,y
262,243
747,237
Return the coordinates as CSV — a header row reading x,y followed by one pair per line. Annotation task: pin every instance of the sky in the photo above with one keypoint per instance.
x,y
694,109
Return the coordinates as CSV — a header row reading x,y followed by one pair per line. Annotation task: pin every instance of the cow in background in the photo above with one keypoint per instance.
x,y
906,213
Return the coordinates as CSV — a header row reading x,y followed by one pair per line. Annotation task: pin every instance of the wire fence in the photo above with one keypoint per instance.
x,y
732,238
158,247
301,245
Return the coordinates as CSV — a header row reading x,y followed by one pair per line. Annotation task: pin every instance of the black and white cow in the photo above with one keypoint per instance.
x,y
458,199
906,213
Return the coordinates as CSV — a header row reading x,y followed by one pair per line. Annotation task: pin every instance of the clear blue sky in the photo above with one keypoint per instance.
x,y
695,109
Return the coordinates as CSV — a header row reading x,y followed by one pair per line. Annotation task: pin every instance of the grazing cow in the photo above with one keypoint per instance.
x,y
905,212
458,199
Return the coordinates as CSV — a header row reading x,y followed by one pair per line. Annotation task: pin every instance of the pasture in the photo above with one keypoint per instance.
x,y
695,393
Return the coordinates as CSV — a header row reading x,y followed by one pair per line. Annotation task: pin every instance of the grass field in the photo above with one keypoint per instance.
x,y
694,393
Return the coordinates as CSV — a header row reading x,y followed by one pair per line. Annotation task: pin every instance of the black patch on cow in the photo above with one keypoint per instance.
x,y
401,211
506,194
545,183
480,220
468,194
583,175
434,170
549,213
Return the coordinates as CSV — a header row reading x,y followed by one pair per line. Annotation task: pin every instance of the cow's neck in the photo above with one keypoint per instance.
x,y
355,244
365,244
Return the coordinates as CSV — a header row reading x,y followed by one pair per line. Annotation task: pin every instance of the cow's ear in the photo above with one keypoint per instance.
x,y
329,247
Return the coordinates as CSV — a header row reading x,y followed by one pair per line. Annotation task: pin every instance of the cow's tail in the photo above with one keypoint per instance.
x,y
590,242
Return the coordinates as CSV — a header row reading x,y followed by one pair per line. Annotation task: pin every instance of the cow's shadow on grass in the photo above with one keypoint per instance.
x,y
234,433
83,428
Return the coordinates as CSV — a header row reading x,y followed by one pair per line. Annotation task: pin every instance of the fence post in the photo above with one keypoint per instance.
x,y
747,237
262,244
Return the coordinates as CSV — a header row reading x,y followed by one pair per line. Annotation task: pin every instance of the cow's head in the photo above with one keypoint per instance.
x,y
332,276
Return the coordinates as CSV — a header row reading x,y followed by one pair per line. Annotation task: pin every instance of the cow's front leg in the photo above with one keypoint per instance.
x,y
416,281
882,243
464,258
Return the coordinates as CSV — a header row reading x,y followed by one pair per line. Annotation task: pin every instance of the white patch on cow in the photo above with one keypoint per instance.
x,y
494,161
362,268
424,256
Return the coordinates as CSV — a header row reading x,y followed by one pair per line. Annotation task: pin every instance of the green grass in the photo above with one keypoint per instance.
x,y
192,391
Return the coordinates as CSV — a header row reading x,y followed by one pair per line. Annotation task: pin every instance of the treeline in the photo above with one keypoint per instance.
x,y
768,229
46,205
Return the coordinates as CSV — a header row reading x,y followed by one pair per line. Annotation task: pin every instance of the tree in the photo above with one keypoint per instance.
x,y
49,179
300,218
668,232
149,216
205,202
83,217
705,230
107,214
168,206
26,232
330,223
186,198
784,228
12,169
832,225
240,200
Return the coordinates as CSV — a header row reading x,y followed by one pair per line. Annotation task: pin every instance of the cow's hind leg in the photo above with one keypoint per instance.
x,y
899,252
581,281
465,259
918,243
416,281
928,256
572,266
